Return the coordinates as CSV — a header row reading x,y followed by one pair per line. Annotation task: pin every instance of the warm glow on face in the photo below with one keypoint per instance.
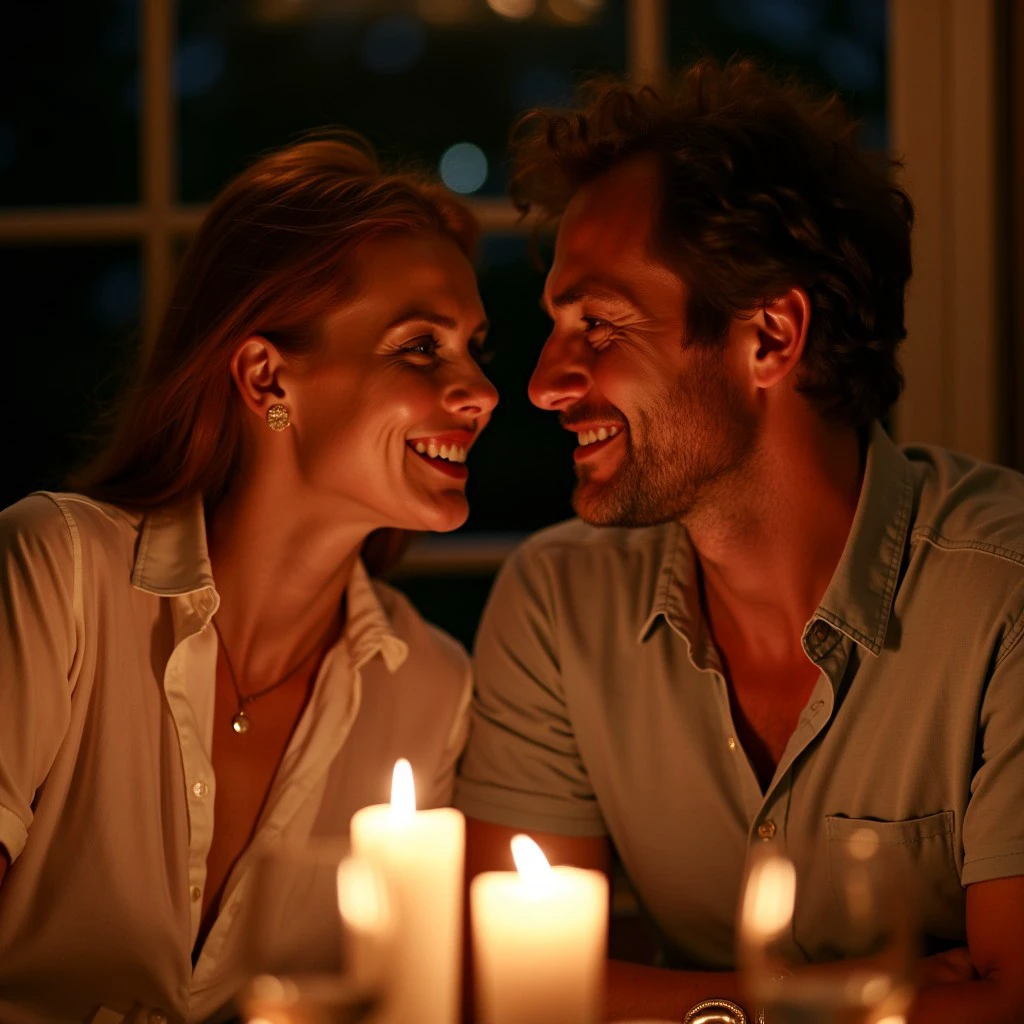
x,y
770,897
403,791
532,865
362,898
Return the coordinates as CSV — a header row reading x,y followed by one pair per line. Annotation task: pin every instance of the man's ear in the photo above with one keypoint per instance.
x,y
256,369
781,327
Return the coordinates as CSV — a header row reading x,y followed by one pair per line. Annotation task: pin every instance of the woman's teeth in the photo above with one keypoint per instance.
x,y
601,434
452,453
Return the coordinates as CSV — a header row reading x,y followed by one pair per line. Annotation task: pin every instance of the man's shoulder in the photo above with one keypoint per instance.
x,y
574,544
965,504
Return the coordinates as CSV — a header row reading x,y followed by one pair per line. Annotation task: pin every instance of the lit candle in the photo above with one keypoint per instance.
x,y
539,941
421,854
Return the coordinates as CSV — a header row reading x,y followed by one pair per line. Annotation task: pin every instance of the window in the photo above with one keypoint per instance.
x,y
131,114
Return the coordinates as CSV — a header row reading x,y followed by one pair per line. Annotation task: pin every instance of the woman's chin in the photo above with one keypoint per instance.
x,y
441,516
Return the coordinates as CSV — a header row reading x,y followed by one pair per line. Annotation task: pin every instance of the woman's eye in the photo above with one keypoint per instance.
x,y
425,346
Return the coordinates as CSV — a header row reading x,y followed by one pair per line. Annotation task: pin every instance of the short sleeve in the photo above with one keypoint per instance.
x,y
993,832
522,767
37,649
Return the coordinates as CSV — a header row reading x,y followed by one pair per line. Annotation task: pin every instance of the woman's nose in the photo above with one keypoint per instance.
x,y
472,394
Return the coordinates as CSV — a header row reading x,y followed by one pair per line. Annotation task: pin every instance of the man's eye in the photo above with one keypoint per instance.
x,y
425,346
597,330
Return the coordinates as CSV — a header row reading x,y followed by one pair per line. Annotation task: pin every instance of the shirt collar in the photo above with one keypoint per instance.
x,y
172,559
859,598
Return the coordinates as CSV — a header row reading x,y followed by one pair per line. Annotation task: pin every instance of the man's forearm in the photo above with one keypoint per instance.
x,y
636,991
980,1002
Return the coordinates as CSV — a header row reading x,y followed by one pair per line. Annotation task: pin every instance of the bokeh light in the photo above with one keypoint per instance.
x,y
514,9
393,45
463,167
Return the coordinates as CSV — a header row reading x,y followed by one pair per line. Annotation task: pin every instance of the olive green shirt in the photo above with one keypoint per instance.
x,y
601,707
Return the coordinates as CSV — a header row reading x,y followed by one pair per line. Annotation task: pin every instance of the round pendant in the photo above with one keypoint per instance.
x,y
239,722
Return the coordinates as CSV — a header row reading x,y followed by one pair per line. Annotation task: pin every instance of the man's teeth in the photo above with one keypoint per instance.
x,y
449,452
601,434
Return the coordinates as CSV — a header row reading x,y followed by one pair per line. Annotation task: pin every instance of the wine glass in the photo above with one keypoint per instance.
x,y
318,933
873,981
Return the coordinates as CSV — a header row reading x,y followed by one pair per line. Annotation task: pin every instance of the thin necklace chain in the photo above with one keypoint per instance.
x,y
240,718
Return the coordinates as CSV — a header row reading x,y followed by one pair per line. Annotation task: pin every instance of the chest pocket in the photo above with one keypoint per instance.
x,y
926,846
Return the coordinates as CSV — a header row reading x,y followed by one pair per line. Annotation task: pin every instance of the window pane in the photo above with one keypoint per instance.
x,y
417,77
69,129
521,469
70,317
838,45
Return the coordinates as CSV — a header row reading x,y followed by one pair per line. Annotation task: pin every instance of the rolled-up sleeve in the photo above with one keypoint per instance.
x,y
38,585
522,767
993,833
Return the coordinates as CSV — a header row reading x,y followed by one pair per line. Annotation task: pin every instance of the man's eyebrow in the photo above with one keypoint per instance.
x,y
447,323
591,288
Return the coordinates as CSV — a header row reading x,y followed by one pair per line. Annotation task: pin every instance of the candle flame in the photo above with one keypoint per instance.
x,y
532,865
403,790
770,897
362,898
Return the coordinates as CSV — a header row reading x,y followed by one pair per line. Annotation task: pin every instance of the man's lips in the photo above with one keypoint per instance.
x,y
595,436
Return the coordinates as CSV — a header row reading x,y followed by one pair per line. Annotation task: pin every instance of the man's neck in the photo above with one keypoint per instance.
x,y
770,543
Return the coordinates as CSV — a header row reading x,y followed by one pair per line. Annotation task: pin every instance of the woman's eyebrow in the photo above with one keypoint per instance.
x,y
426,316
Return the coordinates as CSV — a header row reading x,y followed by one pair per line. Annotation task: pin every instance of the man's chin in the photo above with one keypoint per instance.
x,y
597,504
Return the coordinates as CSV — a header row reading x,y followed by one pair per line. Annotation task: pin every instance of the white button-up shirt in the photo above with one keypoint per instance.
x,y
107,669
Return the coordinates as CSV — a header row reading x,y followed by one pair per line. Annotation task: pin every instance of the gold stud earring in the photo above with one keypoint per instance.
x,y
277,416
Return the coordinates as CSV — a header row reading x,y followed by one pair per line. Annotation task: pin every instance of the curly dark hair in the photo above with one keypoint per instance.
x,y
763,190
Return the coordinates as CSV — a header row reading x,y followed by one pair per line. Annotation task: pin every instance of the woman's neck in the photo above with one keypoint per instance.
x,y
281,566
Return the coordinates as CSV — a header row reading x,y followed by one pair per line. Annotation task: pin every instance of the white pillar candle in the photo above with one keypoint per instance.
x,y
421,854
539,941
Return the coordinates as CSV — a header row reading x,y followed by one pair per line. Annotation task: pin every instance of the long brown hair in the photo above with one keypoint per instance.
x,y
274,256
762,189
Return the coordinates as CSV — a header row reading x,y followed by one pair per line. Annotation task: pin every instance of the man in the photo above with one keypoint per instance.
x,y
771,625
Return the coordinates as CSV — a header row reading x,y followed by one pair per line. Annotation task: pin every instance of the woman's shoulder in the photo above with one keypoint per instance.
x,y
428,644
55,524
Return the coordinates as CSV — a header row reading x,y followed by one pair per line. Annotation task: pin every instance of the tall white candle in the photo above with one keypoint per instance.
x,y
421,854
539,941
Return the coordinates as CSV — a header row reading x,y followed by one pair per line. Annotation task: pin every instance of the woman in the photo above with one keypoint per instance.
x,y
194,660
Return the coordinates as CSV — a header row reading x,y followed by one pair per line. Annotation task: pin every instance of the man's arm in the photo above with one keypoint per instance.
x,y
995,937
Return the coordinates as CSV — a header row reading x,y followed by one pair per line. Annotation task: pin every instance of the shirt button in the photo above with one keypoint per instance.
x,y
200,789
731,742
157,1017
766,830
817,705
821,632
196,893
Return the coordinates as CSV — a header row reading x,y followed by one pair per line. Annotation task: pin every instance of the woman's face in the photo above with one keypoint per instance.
x,y
387,408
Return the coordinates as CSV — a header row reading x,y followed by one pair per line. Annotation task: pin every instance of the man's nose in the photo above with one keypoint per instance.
x,y
562,375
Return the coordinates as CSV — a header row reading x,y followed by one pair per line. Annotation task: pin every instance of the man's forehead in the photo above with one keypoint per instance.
x,y
615,209
606,229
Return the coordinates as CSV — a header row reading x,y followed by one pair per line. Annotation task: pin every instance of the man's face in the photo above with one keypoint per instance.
x,y
663,424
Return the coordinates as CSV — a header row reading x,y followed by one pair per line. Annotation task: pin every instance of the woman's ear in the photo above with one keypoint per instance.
x,y
256,369
781,328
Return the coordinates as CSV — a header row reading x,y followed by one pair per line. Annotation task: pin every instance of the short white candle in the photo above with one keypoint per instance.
x,y
421,854
539,941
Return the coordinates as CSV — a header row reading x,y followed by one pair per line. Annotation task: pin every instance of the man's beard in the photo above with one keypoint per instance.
x,y
678,452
